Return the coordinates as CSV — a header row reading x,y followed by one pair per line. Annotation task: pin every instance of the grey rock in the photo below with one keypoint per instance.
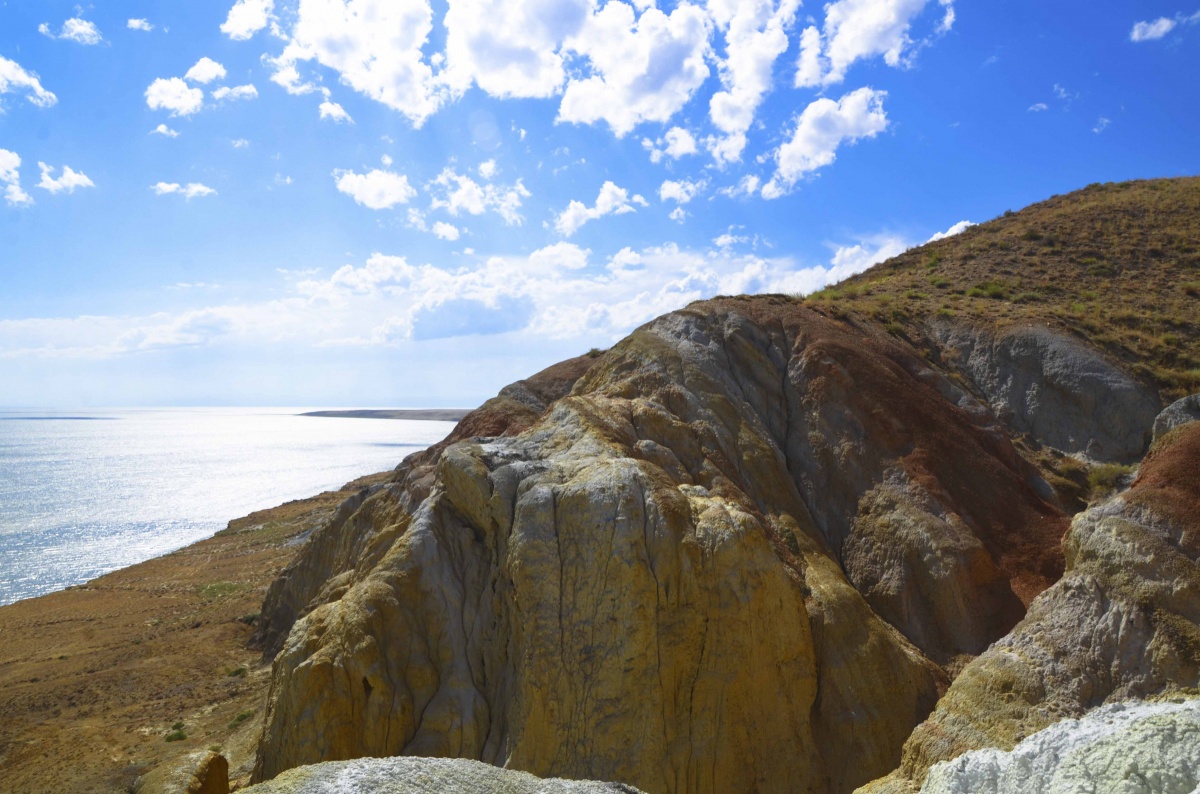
x,y
423,776
1054,387
1176,414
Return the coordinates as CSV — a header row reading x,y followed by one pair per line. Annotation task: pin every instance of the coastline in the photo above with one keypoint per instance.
x,y
94,677
411,414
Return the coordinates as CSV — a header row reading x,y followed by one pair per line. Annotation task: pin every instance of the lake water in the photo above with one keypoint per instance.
x,y
85,493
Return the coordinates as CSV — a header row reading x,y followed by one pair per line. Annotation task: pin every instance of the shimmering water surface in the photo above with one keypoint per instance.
x,y
85,493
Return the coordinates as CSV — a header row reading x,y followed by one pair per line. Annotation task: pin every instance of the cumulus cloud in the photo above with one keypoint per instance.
x,y
850,260
14,78
748,185
189,191
487,169
10,179
957,228
175,95
246,18
376,189
205,71
69,180
820,131
1039,107
457,193
140,24
643,68
680,192
165,131
1151,31
445,230
859,29
374,45
334,112
510,48
755,36
235,93
612,200
80,31
676,143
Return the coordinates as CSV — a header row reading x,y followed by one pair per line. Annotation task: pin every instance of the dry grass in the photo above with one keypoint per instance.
x,y
1116,264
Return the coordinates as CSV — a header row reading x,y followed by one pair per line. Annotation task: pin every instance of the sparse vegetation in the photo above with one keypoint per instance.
x,y
1106,478
240,718
239,672
1092,263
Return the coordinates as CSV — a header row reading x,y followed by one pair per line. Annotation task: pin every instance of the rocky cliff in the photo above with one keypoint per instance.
x,y
767,544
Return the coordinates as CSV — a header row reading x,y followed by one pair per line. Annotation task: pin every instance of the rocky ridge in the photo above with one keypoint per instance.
x,y
760,544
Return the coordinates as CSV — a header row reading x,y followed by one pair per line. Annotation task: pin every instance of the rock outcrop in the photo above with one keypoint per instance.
x,y
1123,623
1133,748
1054,387
1177,414
422,776
766,544
737,556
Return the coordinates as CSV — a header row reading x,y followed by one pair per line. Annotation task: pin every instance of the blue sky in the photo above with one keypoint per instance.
x,y
414,202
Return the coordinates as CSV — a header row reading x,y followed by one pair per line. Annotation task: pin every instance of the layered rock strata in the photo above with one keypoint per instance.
x,y
1122,623
741,554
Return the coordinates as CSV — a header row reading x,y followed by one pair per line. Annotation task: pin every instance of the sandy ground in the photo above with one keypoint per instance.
x,y
93,679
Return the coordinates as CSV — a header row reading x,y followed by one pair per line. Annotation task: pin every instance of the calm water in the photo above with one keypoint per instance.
x,y
85,493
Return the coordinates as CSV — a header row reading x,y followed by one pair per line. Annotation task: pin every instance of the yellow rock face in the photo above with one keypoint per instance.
x,y
647,586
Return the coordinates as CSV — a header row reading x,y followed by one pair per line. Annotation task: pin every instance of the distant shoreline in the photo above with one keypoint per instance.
x,y
412,414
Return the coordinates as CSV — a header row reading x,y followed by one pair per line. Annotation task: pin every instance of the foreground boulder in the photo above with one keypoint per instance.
x,y
423,776
1134,748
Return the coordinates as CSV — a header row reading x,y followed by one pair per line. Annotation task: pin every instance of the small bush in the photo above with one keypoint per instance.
x,y
240,718
239,672
176,736
939,281
1105,478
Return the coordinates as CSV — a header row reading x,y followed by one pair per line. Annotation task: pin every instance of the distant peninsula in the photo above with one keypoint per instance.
x,y
415,414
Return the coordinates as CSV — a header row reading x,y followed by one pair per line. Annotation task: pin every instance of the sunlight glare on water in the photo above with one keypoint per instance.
x,y
85,493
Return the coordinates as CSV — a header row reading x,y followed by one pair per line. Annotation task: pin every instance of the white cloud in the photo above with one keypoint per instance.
x,y
676,143
1039,107
729,239
1151,31
14,78
174,95
755,36
643,68
853,259
957,228
189,191
1101,125
679,214
374,45
821,129
205,71
378,190
334,112
80,31
246,18
612,200
746,186
445,230
239,143
10,179
487,169
457,193
69,180
165,131
510,48
860,29
139,24
682,191
235,93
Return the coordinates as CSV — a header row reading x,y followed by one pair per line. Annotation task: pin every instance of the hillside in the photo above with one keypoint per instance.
x,y
1117,265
